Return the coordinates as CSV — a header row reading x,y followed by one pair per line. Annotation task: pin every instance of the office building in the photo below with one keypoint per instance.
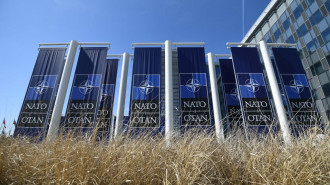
x,y
306,23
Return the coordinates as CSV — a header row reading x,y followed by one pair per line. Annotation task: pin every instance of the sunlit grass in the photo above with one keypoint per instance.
x,y
194,158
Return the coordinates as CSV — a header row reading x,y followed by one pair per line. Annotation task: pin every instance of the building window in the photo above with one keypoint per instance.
x,y
312,83
281,9
268,38
315,57
272,19
316,17
326,35
300,21
311,47
265,28
325,103
307,38
312,33
323,78
313,8
302,30
293,5
309,2
286,23
290,40
328,48
277,34
322,25
276,30
297,12
288,33
285,19
317,69
328,19
258,36
327,5
326,90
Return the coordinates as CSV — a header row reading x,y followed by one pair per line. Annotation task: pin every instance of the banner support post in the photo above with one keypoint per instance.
x,y
63,87
168,92
215,100
122,96
280,110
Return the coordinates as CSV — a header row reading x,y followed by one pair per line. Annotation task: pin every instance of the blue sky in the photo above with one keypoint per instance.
x,y
25,24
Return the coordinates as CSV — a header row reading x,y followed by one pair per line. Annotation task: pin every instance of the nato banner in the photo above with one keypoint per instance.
x,y
104,112
281,88
82,106
37,105
252,88
194,97
232,105
145,97
296,86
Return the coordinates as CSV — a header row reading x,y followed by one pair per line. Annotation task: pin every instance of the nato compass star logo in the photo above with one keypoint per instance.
x,y
86,87
41,87
252,85
296,86
146,87
234,94
193,85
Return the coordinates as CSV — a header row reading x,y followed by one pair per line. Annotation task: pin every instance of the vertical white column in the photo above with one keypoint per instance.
x,y
168,92
122,96
281,113
63,87
215,99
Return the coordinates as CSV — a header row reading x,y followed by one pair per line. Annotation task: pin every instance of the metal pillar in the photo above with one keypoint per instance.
x,y
215,100
122,95
168,92
281,113
63,86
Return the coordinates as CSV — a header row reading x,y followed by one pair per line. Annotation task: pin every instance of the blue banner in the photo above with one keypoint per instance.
x,y
86,86
38,102
194,96
145,96
252,87
296,88
104,113
230,93
281,88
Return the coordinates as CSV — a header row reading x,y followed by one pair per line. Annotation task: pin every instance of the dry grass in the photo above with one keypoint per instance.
x,y
192,159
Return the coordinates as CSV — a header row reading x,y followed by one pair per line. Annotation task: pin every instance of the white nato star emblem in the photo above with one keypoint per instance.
x,y
252,85
234,94
41,87
146,87
193,85
296,86
86,87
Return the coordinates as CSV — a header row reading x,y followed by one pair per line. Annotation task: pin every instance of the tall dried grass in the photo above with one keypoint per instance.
x,y
194,158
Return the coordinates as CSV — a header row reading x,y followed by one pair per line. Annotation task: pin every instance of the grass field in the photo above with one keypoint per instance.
x,y
194,158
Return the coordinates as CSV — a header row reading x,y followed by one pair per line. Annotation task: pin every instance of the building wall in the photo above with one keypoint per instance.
x,y
305,22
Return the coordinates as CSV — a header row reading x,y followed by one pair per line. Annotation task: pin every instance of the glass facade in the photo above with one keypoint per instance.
x,y
305,22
